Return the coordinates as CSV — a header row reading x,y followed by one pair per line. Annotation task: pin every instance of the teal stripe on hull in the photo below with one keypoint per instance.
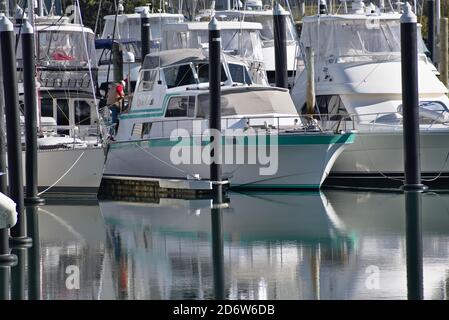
x,y
148,113
283,140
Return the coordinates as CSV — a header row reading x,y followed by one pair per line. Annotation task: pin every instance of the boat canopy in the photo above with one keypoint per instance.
x,y
128,25
175,57
63,48
354,37
250,101
263,17
241,39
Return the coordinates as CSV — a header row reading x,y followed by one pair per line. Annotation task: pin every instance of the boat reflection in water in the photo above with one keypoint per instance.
x,y
378,222
71,238
329,245
271,249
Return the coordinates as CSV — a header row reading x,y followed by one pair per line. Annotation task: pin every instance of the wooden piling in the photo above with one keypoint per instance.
x,y
310,64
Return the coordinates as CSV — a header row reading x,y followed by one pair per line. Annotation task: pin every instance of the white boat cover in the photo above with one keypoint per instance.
x,y
250,101
354,37
179,56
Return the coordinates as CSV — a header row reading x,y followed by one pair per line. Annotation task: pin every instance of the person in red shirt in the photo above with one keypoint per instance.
x,y
120,90
115,100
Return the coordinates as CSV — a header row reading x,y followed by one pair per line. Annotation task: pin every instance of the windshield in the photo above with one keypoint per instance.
x,y
340,40
245,43
64,49
183,75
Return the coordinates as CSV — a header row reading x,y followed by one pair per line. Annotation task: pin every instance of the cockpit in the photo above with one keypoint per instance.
x,y
192,74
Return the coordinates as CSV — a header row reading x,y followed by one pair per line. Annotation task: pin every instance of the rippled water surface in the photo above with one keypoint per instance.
x,y
328,245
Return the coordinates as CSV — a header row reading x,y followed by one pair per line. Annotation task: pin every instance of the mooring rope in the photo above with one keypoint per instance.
x,y
399,179
164,162
62,177
65,224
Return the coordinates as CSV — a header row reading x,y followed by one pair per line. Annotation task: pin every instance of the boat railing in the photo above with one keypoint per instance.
x,y
78,136
256,124
366,57
428,120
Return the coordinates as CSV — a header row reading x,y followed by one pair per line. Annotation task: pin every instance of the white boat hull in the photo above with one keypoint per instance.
x,y
378,158
81,170
301,164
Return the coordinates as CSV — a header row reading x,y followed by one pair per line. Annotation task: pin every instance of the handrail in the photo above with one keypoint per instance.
x,y
301,123
397,123
93,132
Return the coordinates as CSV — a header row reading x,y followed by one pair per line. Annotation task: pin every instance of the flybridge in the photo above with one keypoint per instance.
x,y
65,54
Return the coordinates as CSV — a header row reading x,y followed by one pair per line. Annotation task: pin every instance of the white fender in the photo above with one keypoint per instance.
x,y
8,214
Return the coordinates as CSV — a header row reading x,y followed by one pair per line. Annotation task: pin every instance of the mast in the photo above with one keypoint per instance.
x,y
40,8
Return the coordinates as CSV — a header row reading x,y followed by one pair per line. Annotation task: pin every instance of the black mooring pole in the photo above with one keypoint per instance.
x,y
410,100
323,7
18,284
217,252
29,88
431,28
413,207
412,185
4,283
145,33
34,267
14,145
12,7
4,6
215,167
117,60
215,105
280,46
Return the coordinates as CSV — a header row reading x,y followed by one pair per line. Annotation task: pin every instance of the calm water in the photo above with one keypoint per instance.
x,y
328,245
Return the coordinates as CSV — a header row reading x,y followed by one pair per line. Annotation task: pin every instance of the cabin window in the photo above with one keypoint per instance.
x,y
146,129
239,73
62,112
202,69
82,112
137,130
147,79
181,107
179,76
47,108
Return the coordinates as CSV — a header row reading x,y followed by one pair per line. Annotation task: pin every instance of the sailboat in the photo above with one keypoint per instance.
x,y
71,154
